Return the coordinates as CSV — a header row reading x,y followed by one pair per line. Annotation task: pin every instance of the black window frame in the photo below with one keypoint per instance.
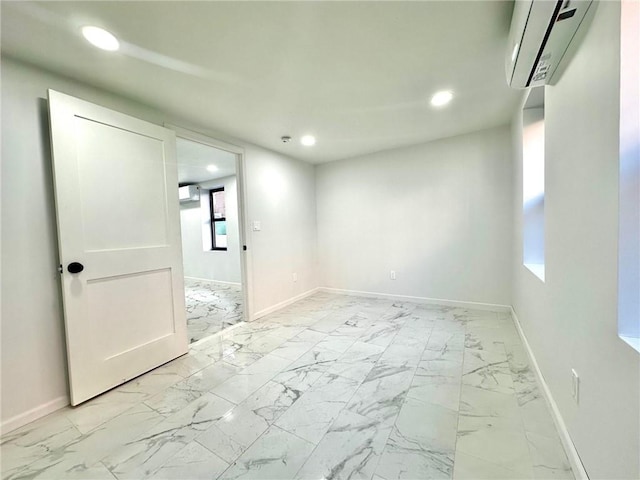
x,y
215,220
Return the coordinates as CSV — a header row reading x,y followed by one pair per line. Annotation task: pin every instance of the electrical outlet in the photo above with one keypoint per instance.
x,y
295,277
256,226
575,385
393,275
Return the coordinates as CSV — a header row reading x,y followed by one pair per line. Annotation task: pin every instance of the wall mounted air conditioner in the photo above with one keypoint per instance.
x,y
541,32
189,193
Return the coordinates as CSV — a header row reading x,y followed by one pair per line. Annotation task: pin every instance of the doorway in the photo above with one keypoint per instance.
x,y
212,236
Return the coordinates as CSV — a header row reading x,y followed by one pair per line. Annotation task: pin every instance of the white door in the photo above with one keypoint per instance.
x,y
116,188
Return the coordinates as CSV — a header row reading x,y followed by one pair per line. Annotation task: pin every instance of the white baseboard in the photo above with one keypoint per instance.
x,y
578,469
280,305
494,307
237,284
35,413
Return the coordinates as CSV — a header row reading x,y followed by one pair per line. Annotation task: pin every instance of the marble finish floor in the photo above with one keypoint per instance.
x,y
332,387
211,307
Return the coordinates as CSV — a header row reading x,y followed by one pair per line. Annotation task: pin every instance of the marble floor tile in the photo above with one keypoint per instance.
x,y
188,364
109,405
357,324
498,440
304,372
350,449
439,391
272,400
294,348
193,462
141,457
122,429
211,307
184,392
76,472
231,435
357,362
287,331
333,386
312,415
422,443
548,457
487,369
485,338
337,343
84,453
478,402
244,383
445,339
329,323
381,334
277,454
438,379
536,418
403,351
26,445
468,467
382,393
264,344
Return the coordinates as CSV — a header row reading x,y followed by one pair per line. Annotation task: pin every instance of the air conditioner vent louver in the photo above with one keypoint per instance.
x,y
541,32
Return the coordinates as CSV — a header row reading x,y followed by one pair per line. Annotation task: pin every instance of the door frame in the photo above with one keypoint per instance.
x,y
246,267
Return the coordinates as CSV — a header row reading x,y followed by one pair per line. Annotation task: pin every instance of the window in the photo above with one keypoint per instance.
x,y
629,205
218,219
533,182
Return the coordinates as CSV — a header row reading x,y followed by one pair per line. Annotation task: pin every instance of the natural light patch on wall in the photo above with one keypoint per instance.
x,y
533,182
629,235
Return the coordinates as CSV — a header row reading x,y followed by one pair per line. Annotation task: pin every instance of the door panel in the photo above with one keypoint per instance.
x,y
143,313
116,191
117,207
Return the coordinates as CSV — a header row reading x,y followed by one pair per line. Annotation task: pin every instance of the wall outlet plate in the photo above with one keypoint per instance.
x,y
295,277
393,275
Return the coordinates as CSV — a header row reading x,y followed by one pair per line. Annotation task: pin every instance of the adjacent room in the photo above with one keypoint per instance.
x,y
320,240
210,238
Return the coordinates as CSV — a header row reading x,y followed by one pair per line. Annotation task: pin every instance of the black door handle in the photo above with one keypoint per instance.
x,y
75,267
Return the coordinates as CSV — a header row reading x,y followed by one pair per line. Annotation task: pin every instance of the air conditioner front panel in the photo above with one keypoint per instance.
x,y
189,193
541,32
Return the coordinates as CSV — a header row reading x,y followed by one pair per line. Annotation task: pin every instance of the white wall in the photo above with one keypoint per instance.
x,y
439,214
280,193
220,265
571,319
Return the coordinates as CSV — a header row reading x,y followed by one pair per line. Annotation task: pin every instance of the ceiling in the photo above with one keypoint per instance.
x,y
194,158
357,75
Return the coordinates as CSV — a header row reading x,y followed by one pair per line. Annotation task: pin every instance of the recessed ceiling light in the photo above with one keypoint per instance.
x,y
441,98
212,168
100,38
308,140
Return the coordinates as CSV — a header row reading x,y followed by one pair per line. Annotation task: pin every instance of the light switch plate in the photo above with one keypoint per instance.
x,y
256,226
